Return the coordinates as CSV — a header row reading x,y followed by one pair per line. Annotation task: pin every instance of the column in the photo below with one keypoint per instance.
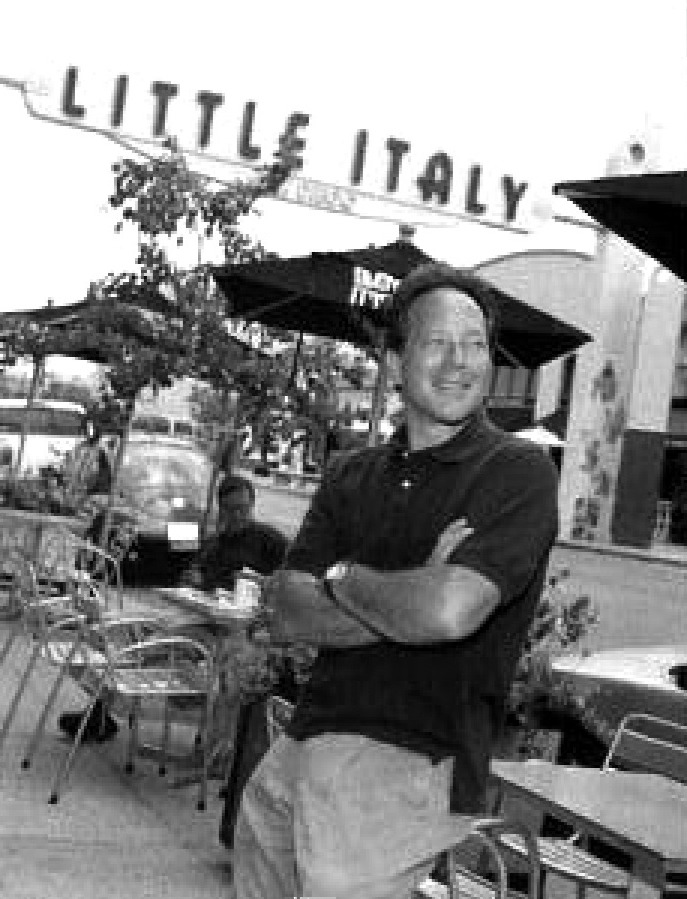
x,y
619,389
641,462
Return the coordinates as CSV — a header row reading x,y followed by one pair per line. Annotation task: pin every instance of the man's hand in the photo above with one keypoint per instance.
x,y
451,537
286,597
297,609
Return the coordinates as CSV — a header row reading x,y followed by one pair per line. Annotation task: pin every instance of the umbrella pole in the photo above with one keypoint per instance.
x,y
379,394
294,367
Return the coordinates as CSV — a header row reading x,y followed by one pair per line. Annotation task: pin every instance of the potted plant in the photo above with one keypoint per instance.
x,y
537,701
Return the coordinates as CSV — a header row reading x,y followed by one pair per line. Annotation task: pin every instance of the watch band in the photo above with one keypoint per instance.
x,y
333,575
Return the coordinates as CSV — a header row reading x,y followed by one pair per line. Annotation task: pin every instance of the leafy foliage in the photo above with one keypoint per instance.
x,y
561,623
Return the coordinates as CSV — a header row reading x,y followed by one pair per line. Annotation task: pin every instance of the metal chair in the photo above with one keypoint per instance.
x,y
70,583
161,668
642,742
43,608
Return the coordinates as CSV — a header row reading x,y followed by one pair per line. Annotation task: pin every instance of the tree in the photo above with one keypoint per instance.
x,y
160,321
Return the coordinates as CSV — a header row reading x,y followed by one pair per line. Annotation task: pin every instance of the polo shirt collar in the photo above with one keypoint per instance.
x,y
451,450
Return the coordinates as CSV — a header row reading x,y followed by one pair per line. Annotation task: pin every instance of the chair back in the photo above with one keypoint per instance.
x,y
279,713
651,744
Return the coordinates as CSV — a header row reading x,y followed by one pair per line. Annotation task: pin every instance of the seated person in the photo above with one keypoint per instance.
x,y
242,542
239,540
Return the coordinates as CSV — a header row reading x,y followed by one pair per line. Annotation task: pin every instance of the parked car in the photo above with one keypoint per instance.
x,y
161,494
612,682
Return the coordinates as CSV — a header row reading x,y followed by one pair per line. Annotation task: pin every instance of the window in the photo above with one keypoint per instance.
x,y
513,384
39,420
183,428
151,424
680,376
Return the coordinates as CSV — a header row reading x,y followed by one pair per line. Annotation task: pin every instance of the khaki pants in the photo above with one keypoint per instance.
x,y
342,817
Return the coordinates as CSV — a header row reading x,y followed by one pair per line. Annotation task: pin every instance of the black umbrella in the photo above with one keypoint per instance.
x,y
649,211
67,328
319,294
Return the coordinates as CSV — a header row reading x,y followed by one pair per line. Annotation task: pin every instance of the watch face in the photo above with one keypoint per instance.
x,y
337,572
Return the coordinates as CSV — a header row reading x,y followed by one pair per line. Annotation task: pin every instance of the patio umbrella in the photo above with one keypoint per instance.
x,y
649,211
318,294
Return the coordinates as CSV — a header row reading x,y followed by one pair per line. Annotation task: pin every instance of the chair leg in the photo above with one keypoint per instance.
x,y
451,874
19,692
166,736
132,743
64,769
9,642
49,703
206,717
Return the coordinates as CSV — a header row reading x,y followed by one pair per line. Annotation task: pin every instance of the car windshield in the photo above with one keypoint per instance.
x,y
164,468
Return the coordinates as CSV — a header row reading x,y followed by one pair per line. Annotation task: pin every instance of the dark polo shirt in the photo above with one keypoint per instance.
x,y
258,546
385,508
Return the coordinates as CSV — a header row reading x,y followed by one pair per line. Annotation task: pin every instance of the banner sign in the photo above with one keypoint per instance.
x,y
371,290
336,166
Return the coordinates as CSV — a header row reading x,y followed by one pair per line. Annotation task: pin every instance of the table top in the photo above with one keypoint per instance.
x,y
189,606
36,517
632,810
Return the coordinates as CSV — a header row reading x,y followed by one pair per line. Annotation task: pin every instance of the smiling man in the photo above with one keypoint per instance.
x,y
416,573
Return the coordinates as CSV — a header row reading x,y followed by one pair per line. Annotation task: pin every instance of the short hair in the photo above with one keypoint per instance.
x,y
430,276
233,482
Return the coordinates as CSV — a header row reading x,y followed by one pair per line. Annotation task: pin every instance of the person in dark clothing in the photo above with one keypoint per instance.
x,y
86,472
86,469
242,542
239,540
416,574
332,442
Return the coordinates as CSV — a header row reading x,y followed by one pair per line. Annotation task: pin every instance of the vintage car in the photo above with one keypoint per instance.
x,y
161,494
612,682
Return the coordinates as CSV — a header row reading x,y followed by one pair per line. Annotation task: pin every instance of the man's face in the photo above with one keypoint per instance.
x,y
235,509
445,363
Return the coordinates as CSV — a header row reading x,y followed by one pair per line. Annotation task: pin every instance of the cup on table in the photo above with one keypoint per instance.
x,y
247,590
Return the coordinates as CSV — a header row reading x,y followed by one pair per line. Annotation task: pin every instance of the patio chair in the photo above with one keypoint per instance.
x,y
460,881
70,583
159,669
43,607
642,742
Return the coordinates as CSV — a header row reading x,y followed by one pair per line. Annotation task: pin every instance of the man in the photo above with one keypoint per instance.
x,y
86,472
86,469
240,541
433,549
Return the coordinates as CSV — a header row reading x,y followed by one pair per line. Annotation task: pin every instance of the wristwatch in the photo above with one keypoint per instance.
x,y
333,576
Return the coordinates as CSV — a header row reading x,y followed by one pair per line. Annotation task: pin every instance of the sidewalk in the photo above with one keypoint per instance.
x,y
112,835
670,553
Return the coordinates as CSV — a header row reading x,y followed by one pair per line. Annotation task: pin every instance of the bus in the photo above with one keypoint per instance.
x,y
53,428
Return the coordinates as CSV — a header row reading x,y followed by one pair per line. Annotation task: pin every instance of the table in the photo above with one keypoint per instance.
x,y
643,815
199,614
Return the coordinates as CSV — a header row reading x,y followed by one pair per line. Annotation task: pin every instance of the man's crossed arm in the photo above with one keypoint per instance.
x,y
432,603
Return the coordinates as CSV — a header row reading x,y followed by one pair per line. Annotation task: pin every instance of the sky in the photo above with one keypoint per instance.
x,y
544,89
